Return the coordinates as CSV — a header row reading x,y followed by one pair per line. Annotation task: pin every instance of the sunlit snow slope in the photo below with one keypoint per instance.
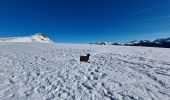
x,y
39,37
53,72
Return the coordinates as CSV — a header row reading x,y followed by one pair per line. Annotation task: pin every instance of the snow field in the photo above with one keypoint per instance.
x,y
35,71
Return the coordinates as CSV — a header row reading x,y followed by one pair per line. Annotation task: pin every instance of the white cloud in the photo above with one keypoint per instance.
x,y
144,10
160,18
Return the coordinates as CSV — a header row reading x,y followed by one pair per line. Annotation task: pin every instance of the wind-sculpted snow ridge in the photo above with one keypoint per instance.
x,y
53,72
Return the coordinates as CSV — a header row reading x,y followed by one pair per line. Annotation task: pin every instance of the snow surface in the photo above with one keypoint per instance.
x,y
37,71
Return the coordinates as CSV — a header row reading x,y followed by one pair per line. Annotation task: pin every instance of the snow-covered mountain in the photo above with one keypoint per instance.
x,y
165,42
39,37
106,43
135,42
31,71
103,43
162,40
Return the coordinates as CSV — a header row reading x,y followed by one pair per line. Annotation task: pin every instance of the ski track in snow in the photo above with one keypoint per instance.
x,y
35,71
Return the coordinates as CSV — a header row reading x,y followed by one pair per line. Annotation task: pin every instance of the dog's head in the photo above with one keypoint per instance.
x,y
88,55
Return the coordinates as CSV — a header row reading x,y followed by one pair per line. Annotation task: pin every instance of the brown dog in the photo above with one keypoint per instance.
x,y
85,58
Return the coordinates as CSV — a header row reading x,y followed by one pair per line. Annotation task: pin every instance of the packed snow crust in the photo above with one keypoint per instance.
x,y
37,71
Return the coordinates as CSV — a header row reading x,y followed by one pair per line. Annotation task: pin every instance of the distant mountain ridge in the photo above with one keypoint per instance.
x,y
106,43
38,37
163,42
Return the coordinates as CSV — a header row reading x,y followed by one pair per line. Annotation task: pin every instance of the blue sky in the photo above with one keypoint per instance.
x,y
85,21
